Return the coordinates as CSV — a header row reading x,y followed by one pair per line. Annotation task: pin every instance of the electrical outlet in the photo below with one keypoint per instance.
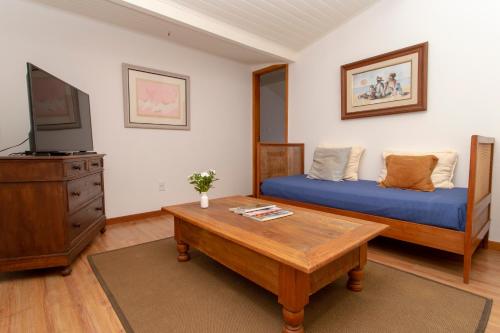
x,y
161,186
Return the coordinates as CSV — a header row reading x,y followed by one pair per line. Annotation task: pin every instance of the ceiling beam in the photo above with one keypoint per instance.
x,y
178,14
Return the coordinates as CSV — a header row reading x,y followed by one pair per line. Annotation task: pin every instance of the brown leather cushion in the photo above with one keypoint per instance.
x,y
410,172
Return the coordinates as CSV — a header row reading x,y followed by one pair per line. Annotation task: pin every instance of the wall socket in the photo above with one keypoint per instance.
x,y
161,186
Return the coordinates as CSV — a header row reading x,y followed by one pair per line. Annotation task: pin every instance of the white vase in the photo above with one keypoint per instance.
x,y
204,200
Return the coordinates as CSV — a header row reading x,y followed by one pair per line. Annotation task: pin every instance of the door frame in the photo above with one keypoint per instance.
x,y
256,114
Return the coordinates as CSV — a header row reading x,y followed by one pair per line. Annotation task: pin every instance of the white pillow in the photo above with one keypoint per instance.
x,y
442,176
351,171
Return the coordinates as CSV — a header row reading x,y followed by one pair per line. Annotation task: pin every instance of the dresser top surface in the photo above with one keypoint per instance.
x,y
65,157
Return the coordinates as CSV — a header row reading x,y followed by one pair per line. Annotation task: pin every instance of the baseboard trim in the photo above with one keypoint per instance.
x,y
494,245
134,217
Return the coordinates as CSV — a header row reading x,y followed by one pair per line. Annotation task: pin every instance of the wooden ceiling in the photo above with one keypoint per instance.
x,y
292,23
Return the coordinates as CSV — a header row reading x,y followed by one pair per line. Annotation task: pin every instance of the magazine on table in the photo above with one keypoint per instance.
x,y
251,208
261,212
271,215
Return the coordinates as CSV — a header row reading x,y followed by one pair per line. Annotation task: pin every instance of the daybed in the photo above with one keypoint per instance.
x,y
455,220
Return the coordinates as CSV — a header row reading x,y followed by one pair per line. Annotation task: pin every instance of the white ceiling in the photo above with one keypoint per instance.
x,y
248,31
291,23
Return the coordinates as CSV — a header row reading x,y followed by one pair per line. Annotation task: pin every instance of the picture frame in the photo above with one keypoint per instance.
x,y
155,99
390,83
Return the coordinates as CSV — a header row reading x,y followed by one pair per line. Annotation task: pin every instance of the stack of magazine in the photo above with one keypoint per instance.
x,y
261,212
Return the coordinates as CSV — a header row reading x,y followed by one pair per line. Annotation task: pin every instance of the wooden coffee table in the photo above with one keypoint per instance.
x,y
292,257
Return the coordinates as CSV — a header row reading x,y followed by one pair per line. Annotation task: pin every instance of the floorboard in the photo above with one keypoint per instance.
x,y
44,301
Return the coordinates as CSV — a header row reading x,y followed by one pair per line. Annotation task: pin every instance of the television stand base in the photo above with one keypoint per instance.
x,y
58,153
46,153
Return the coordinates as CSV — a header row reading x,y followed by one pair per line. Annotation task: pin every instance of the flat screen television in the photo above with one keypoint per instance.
x,y
59,114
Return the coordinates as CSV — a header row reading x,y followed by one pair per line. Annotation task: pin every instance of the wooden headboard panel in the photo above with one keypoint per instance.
x,y
278,159
484,156
479,191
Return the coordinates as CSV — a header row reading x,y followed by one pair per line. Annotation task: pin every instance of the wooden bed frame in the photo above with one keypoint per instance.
x,y
274,160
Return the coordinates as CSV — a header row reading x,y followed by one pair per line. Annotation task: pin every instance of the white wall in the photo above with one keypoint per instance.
x,y
89,54
464,83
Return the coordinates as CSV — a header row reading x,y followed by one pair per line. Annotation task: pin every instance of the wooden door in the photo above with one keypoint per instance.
x,y
272,126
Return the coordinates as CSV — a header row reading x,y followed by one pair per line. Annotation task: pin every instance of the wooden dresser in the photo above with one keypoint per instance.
x,y
50,209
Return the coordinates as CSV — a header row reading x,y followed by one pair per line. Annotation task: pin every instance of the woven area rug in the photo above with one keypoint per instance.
x,y
152,292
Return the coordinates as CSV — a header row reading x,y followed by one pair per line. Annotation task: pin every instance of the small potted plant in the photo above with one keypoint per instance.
x,y
203,181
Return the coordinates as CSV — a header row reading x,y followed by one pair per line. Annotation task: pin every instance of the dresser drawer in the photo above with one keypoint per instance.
x,y
94,164
83,189
74,168
82,219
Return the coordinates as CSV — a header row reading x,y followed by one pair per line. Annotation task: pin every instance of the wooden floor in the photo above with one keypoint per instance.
x,y
44,301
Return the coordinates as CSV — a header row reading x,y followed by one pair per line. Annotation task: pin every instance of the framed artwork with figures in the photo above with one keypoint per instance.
x,y
390,83
155,99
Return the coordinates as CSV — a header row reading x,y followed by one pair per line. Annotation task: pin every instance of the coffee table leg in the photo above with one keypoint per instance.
x,y
183,250
293,321
293,295
182,247
355,282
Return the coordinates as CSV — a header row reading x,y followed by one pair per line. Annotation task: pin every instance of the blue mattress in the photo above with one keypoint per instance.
x,y
444,208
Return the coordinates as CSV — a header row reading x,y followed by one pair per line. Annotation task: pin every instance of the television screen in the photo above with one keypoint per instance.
x,y
60,114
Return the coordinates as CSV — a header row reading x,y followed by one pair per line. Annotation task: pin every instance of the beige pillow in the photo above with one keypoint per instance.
x,y
442,176
351,171
329,163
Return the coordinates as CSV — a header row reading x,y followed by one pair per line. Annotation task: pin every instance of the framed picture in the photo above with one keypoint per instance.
x,y
394,82
155,99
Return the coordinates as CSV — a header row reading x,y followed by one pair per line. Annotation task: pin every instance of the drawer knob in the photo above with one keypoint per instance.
x,y
96,164
76,167
76,225
75,193
98,208
97,183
